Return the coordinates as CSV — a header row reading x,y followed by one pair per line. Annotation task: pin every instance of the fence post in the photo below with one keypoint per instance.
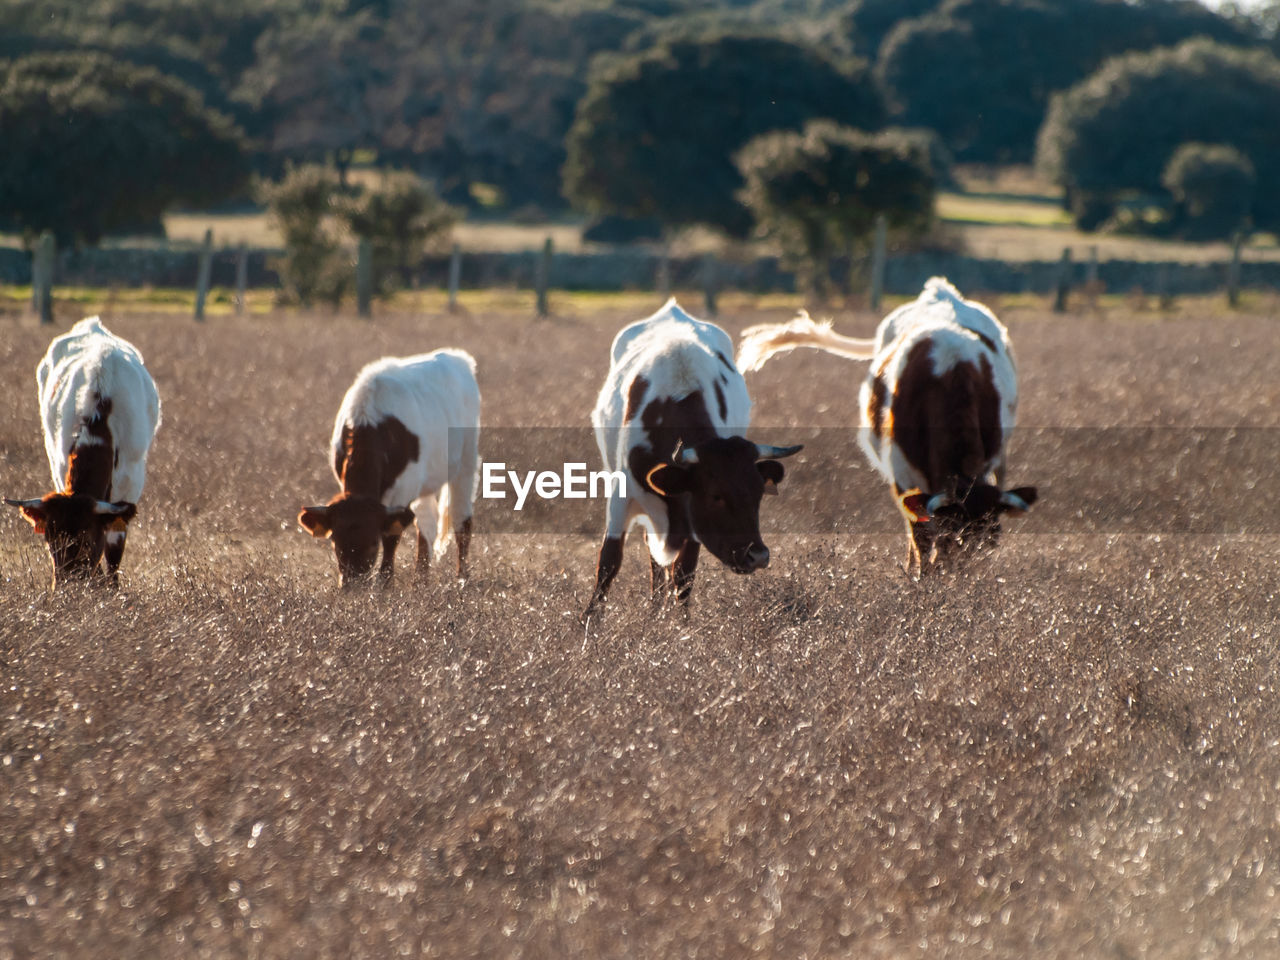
x,y
203,272
709,284
455,277
542,276
1063,285
42,264
242,279
1233,271
877,260
364,277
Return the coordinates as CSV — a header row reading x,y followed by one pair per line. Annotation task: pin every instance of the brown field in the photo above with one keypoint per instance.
x,y
1069,749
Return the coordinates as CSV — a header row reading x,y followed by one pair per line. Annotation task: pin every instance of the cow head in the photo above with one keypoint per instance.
x,y
966,520
720,482
356,525
74,527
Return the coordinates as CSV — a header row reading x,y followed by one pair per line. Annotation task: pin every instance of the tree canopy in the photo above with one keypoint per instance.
x,y
655,134
981,72
819,191
1213,186
1110,137
93,145
479,98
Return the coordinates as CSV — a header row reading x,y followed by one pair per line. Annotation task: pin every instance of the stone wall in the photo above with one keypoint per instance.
x,y
638,270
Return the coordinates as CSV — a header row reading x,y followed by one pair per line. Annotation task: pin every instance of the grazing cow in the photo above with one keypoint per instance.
x,y
670,417
938,404
406,436
100,411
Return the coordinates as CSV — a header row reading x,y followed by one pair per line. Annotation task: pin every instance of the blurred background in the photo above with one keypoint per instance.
x,y
995,130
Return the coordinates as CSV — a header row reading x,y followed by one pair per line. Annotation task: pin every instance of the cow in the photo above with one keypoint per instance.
x,y
100,411
670,418
938,404
405,450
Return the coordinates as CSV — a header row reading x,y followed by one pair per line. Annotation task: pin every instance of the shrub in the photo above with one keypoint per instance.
x,y
304,205
819,192
1108,139
400,219
1213,186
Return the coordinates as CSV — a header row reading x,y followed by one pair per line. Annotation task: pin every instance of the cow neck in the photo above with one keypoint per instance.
x,y
374,455
668,421
92,456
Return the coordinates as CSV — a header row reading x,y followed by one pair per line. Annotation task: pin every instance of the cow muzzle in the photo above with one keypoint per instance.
x,y
757,558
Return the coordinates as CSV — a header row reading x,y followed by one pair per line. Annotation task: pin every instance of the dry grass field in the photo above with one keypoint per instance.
x,y
1069,749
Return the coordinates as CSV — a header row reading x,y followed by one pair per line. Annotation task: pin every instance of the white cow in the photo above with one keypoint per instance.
x,y
405,449
671,417
938,405
100,411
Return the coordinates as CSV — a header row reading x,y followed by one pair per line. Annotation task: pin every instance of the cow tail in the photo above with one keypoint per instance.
x,y
764,341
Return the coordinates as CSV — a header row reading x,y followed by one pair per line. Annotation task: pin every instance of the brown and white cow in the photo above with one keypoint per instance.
x,y
938,405
100,410
405,449
671,418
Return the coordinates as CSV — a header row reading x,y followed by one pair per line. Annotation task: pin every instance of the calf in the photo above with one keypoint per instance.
x,y
670,417
100,411
938,404
406,436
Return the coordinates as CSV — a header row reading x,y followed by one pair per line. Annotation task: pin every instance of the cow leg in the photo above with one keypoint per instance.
x,y
682,571
422,561
113,554
463,535
920,548
606,569
387,571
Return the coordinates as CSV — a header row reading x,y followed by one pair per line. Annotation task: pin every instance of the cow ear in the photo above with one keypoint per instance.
x,y
315,520
667,480
396,521
772,472
33,511
1016,501
915,505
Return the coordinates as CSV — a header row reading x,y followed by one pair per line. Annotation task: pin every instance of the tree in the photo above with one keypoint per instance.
x,y
981,72
1109,138
1213,187
656,132
323,85
465,93
867,22
819,192
306,205
94,146
399,218
317,215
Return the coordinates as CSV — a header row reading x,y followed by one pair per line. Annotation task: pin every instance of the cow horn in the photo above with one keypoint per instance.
x,y
33,502
1011,499
765,451
938,501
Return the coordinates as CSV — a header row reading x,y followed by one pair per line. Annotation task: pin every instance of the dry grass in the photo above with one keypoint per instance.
x,y
1068,750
